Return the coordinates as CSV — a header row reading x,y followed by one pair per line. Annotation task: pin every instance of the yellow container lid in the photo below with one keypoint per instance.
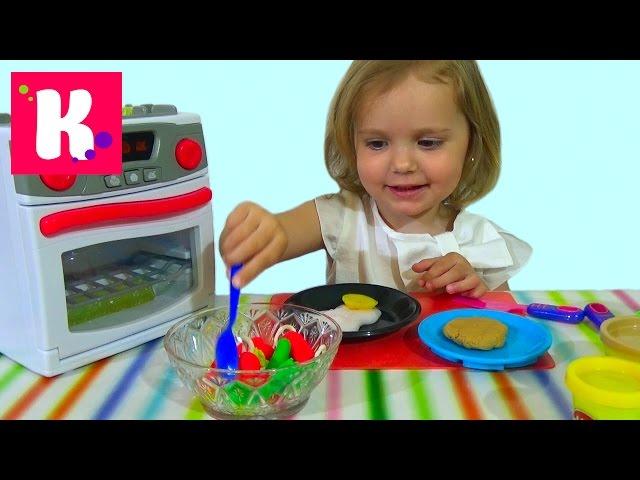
x,y
608,381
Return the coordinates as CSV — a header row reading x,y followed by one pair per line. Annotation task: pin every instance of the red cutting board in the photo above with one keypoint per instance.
x,y
403,350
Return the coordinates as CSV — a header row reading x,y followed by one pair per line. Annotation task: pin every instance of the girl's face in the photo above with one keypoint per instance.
x,y
411,144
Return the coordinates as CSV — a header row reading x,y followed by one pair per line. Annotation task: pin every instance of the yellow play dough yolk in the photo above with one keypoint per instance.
x,y
357,301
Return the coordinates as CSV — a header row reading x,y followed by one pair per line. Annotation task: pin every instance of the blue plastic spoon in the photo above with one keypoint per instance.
x,y
226,350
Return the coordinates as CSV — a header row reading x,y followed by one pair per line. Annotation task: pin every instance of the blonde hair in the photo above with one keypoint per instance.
x,y
367,78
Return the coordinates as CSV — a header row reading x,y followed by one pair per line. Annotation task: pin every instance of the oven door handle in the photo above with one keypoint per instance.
x,y
87,217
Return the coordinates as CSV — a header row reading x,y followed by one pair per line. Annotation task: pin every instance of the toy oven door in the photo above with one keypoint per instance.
x,y
121,279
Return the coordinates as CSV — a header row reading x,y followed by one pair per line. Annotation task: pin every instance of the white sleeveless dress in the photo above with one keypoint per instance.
x,y
362,248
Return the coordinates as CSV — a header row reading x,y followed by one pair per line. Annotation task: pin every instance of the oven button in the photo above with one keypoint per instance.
x,y
132,177
151,174
164,109
188,153
113,181
58,182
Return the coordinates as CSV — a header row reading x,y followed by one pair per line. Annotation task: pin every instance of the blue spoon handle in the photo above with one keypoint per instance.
x,y
234,296
226,353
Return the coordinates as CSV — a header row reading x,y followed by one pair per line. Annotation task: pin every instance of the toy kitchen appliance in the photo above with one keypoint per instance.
x,y
93,265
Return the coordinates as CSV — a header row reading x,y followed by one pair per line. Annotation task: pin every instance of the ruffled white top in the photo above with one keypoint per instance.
x,y
362,248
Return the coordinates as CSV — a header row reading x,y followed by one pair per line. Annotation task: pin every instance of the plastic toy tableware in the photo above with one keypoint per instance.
x,y
561,313
604,388
515,308
226,350
556,313
398,309
597,313
527,340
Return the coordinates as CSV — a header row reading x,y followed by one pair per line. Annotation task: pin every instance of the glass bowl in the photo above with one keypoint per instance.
x,y
268,393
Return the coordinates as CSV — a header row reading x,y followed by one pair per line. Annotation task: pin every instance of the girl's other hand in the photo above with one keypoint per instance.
x,y
252,236
453,273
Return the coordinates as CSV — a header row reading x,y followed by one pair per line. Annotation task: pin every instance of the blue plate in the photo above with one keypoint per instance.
x,y
527,340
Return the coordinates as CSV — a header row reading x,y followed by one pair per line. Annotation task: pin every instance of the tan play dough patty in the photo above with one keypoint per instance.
x,y
476,332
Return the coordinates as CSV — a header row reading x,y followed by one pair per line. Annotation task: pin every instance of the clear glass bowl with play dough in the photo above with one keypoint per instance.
x,y
251,394
621,337
604,388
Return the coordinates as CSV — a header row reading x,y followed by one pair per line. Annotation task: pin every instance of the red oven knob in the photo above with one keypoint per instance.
x,y
58,182
188,153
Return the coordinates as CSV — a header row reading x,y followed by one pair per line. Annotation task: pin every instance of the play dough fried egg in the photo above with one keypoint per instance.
x,y
351,320
357,301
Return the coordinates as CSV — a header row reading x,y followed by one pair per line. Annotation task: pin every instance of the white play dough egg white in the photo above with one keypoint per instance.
x,y
352,320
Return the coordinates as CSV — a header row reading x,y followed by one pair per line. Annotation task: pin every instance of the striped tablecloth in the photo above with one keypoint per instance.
x,y
140,384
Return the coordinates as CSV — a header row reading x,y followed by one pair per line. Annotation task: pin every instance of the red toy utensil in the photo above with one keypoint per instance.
x,y
516,308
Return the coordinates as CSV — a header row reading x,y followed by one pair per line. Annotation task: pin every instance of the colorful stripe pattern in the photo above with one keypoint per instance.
x,y
140,384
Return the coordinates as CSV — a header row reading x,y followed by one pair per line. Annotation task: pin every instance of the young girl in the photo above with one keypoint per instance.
x,y
411,144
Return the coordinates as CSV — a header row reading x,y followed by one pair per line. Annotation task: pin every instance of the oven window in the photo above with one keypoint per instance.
x,y
112,283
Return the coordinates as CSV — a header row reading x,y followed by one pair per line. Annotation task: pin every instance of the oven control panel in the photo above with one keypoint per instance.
x,y
159,145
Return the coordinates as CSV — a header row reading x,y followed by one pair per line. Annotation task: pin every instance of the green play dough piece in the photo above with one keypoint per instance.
x,y
281,353
280,380
240,394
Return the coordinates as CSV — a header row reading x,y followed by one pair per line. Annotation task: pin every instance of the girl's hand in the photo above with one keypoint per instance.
x,y
453,273
253,236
